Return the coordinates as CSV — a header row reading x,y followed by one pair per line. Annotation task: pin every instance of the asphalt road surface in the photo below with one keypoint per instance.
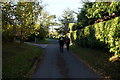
x,y
49,69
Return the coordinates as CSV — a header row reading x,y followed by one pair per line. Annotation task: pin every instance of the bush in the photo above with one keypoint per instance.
x,y
104,34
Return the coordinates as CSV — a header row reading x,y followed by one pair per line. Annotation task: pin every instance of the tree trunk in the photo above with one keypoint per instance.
x,y
21,38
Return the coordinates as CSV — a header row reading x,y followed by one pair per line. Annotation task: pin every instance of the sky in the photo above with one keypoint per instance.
x,y
56,7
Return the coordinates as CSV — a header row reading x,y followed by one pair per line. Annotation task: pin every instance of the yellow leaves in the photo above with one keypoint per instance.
x,y
37,26
87,31
9,27
114,58
116,42
74,35
71,25
37,33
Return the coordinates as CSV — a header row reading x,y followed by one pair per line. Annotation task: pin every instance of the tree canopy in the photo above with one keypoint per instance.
x,y
66,18
23,19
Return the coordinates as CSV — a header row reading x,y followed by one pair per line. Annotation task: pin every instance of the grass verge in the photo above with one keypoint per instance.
x,y
44,41
17,59
98,60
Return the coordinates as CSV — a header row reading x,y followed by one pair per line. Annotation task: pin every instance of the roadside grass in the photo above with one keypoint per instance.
x,y
98,60
17,59
54,38
44,41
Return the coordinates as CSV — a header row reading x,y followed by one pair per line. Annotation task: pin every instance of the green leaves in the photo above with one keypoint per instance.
x,y
101,9
101,26
66,18
100,34
21,18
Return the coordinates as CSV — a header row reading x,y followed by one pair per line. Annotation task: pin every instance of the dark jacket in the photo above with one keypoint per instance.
x,y
67,40
61,40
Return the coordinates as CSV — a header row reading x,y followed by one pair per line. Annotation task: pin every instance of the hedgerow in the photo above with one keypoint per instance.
x,y
104,34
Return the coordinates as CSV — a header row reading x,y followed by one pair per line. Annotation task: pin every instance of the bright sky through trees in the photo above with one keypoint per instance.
x,y
58,6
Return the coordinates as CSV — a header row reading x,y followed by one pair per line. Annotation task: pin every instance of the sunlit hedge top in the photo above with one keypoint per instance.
x,y
103,33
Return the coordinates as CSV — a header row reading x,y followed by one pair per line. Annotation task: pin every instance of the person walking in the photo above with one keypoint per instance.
x,y
61,43
67,42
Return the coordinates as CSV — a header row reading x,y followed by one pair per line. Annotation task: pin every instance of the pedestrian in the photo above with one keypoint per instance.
x,y
61,43
67,42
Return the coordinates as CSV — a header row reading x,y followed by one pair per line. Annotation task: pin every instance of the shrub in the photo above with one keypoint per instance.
x,y
104,34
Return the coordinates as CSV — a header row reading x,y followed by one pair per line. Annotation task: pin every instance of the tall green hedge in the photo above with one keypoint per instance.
x,y
104,34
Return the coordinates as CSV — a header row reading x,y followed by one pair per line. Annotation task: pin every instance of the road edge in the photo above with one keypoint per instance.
x,y
90,67
34,67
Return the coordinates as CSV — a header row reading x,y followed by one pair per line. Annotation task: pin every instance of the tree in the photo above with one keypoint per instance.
x,y
101,9
83,20
66,18
8,21
93,12
19,19
27,14
46,20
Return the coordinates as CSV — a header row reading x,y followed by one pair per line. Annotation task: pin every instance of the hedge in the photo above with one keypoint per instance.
x,y
103,34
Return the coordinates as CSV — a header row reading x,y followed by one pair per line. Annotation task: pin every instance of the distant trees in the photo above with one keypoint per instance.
x,y
66,18
45,20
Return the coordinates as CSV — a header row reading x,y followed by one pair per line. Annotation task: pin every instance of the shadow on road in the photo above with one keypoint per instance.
x,y
49,68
